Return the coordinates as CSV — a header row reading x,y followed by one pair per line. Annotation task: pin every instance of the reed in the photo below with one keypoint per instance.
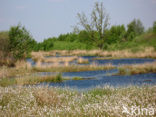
x,y
147,52
137,69
82,61
59,59
30,80
73,68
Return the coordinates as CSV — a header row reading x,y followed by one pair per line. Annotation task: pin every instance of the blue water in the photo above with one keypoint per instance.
x,y
119,61
90,74
115,81
103,77
106,61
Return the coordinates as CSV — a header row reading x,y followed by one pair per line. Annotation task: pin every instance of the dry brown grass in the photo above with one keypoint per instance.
x,y
138,69
73,68
82,61
59,59
21,68
45,96
22,64
37,56
147,53
6,59
3,72
7,72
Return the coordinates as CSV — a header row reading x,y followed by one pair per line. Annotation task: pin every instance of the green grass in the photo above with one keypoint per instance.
x,y
77,78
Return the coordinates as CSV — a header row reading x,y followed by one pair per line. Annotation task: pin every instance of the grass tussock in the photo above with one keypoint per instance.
x,y
30,80
82,61
48,101
73,68
137,69
148,52
59,59
7,72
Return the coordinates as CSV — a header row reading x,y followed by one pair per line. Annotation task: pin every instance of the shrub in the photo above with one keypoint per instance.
x,y
20,41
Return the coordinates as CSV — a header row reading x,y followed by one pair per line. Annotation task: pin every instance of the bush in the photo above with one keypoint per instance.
x,y
154,27
5,55
21,42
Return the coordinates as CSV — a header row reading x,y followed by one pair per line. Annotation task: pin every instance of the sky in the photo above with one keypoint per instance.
x,y
49,18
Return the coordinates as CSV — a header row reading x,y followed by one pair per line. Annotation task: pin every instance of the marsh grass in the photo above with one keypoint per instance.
x,y
77,78
137,69
7,72
49,101
147,52
73,68
30,80
4,82
82,61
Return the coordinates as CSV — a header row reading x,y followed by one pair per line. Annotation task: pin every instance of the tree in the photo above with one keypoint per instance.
x,y
154,27
99,22
115,34
47,44
135,28
20,41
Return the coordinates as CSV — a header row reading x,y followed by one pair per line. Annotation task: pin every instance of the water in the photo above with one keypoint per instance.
x,y
115,81
119,61
103,77
90,74
106,61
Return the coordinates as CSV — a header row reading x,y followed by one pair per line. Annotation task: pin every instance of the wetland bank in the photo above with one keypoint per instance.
x,y
101,70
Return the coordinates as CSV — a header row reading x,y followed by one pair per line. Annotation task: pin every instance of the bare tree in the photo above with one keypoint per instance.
x,y
99,22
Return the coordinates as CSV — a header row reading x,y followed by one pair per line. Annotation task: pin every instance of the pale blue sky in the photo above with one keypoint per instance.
x,y
48,18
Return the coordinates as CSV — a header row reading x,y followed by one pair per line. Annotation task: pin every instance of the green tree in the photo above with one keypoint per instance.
x,y
20,41
99,22
116,34
47,44
135,28
154,27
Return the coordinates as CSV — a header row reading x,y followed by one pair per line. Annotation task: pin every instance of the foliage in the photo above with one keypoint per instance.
x,y
21,43
99,22
115,34
5,55
135,28
4,41
154,27
137,44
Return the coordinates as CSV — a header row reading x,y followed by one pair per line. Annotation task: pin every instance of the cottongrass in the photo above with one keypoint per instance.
x,y
57,102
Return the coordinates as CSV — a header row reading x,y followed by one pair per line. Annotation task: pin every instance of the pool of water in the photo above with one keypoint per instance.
x,y
102,80
119,61
105,61
91,74
93,79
